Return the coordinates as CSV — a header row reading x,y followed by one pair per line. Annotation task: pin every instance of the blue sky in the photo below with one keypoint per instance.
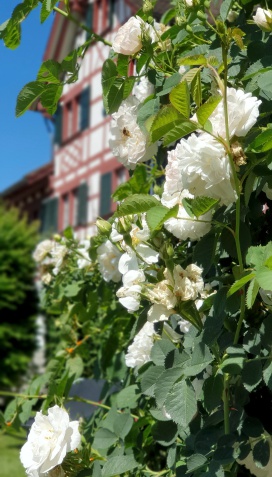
x,y
25,141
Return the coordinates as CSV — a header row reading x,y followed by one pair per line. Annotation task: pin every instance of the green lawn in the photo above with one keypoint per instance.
x,y
10,446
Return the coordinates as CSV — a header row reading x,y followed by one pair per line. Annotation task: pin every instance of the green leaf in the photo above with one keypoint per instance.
x,y
115,96
261,453
189,312
196,89
165,432
122,64
203,113
195,462
193,60
119,464
234,360
30,92
212,390
169,83
181,403
12,35
75,366
204,252
150,378
160,350
199,206
128,397
256,256
168,16
164,384
146,110
156,216
72,289
128,87
109,74
50,72
201,357
263,142
47,8
252,292
267,374
122,425
225,8
179,129
264,278
103,439
135,204
163,122
240,283
252,374
180,98
50,97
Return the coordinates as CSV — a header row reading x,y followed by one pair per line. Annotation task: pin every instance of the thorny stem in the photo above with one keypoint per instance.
x,y
72,398
73,19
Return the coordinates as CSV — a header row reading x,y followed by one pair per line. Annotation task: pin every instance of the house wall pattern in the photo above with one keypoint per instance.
x,y
84,156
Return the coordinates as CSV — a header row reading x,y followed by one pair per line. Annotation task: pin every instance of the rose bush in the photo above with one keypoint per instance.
x,y
170,301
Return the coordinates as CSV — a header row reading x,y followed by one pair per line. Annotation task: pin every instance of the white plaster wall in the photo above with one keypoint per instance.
x,y
94,183
96,145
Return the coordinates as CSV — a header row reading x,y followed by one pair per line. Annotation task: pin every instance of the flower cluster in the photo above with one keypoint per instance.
x,y
128,142
49,440
50,255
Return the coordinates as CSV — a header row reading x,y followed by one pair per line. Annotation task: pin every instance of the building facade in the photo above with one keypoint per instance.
x,y
85,170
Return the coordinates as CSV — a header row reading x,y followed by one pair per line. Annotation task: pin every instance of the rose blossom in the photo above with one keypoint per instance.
x,y
263,19
243,111
183,226
205,169
49,440
42,249
128,38
128,142
108,257
138,352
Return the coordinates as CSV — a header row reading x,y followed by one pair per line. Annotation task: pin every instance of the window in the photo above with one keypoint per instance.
x,y
100,16
81,204
105,194
66,211
77,114
49,215
84,109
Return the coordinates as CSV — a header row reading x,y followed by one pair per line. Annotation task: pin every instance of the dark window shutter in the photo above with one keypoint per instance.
x,y
84,100
82,195
49,215
58,126
111,13
105,194
89,18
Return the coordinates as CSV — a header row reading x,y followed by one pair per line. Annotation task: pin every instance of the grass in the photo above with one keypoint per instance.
x,y
10,445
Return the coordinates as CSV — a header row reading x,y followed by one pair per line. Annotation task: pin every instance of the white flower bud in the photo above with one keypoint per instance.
x,y
263,19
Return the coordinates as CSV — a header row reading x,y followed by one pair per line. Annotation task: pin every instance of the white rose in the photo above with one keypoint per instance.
x,y
128,38
185,227
42,249
159,312
205,168
130,294
128,142
162,295
139,351
143,89
49,440
243,111
108,257
263,19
